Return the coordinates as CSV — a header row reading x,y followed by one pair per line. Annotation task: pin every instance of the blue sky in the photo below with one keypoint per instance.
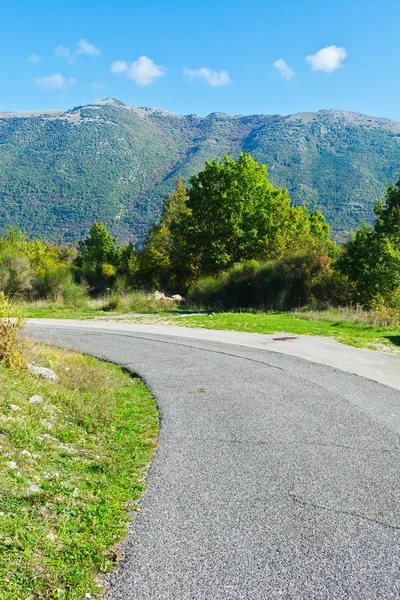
x,y
201,57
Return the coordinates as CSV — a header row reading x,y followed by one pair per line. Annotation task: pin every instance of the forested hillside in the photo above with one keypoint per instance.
x,y
61,171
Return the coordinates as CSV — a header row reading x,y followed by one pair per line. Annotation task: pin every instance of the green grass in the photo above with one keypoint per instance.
x,y
346,327
31,310
86,448
353,326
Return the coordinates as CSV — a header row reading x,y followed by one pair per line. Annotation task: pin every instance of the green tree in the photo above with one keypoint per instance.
x,y
128,263
97,258
237,214
230,213
371,259
166,260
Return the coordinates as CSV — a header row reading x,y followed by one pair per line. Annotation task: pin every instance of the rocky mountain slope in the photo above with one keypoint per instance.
x,y
60,171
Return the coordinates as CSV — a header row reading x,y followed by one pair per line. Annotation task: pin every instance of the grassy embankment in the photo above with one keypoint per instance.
x,y
356,327
349,326
72,467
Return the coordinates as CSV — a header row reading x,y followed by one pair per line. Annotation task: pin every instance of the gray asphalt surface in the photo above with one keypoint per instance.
x,y
275,477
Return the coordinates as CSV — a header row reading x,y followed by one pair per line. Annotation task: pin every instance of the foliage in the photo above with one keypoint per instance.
x,y
371,259
16,275
9,354
167,260
230,213
128,263
236,214
97,258
32,268
296,280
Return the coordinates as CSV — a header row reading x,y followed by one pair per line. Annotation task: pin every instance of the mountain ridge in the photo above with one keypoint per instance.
x,y
61,170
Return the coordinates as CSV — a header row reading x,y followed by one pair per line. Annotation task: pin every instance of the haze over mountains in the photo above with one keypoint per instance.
x,y
60,171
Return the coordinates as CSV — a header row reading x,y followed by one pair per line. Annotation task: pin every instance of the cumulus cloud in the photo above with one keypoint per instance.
x,y
284,69
119,66
143,71
54,82
213,78
84,47
62,51
35,59
327,59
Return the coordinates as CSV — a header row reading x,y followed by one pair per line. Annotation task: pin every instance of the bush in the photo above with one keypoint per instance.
x,y
74,295
16,275
53,280
290,282
9,355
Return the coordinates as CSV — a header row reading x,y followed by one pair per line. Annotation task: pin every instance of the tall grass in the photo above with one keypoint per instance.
x,y
378,317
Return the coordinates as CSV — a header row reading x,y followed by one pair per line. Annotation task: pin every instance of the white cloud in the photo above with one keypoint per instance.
x,y
119,66
143,71
35,59
327,59
54,82
62,51
83,47
213,78
284,69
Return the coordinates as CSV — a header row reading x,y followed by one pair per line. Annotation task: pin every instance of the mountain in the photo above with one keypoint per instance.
x,y
61,170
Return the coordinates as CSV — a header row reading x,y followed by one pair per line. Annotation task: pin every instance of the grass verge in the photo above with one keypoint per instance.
x,y
90,308
72,467
344,328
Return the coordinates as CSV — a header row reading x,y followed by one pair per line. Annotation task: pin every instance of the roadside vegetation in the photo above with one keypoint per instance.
x,y
355,327
227,240
73,458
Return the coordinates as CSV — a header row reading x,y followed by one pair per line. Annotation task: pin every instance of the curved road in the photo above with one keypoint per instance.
x,y
276,477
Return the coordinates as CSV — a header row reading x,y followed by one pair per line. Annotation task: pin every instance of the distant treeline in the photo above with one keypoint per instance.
x,y
229,238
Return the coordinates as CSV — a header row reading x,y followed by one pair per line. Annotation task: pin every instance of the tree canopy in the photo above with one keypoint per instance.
x,y
231,212
371,259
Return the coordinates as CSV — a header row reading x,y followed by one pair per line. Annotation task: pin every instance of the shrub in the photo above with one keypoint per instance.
x,y
74,295
290,282
51,282
9,355
16,275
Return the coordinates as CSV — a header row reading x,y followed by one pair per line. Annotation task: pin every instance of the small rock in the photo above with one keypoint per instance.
x,y
33,489
159,295
35,399
47,374
26,453
15,407
12,465
46,436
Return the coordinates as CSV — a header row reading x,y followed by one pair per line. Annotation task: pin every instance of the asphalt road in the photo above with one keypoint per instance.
x,y
275,477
